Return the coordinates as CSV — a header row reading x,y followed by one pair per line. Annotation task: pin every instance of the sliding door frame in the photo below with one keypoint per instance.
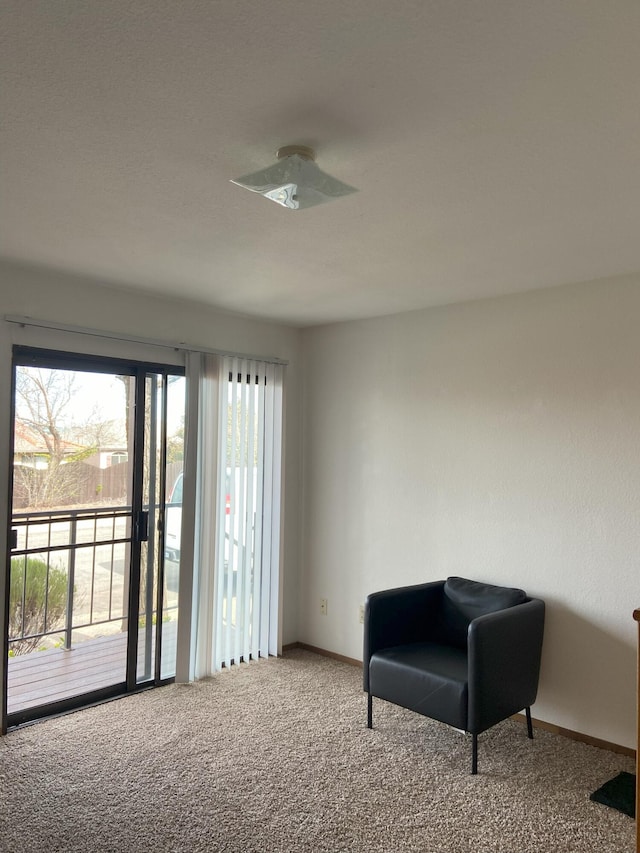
x,y
139,369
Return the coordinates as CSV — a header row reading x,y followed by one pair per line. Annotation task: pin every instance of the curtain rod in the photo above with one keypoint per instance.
x,y
117,336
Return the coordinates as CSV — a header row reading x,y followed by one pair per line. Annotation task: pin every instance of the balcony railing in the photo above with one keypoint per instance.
x,y
85,550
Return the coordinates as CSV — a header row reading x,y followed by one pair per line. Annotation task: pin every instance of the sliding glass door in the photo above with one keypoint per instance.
x,y
93,586
161,483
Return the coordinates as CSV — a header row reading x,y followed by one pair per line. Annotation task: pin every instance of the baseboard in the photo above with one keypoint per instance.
x,y
324,652
540,724
588,739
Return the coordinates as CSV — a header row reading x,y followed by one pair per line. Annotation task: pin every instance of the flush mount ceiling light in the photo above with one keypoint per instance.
x,y
295,181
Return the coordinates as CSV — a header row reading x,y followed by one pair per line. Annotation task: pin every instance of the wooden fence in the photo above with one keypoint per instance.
x,y
77,484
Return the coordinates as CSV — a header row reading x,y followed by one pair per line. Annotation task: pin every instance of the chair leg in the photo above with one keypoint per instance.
x,y
529,724
369,711
474,755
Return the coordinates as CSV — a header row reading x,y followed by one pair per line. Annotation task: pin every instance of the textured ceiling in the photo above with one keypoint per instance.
x,y
495,146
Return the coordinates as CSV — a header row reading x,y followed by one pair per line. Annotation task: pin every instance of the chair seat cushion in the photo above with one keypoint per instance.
x,y
427,678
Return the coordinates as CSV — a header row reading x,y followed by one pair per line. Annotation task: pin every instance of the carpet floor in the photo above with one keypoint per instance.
x,y
275,756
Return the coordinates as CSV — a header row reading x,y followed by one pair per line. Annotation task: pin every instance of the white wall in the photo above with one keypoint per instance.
x,y
498,440
71,300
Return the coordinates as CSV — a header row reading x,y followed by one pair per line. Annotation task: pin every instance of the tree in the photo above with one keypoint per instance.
x,y
42,401
175,445
42,396
50,440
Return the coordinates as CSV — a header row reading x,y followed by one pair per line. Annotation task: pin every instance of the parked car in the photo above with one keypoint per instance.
x,y
173,517
173,521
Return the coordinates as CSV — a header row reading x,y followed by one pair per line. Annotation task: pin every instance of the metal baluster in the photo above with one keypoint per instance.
x,y
72,580
93,568
46,588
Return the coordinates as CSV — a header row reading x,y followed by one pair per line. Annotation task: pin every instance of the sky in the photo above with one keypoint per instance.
x,y
100,397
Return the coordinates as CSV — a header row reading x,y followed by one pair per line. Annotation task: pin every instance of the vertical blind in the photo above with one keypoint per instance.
x,y
246,584
240,552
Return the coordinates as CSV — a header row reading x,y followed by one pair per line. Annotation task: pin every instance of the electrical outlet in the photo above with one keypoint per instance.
x,y
362,614
323,606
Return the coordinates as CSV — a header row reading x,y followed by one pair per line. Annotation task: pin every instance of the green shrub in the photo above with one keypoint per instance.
x,y
38,601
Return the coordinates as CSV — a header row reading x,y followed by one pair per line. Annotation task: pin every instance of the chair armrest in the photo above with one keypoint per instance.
x,y
505,648
394,617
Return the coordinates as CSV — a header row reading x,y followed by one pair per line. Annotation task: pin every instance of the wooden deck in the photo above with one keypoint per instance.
x,y
48,676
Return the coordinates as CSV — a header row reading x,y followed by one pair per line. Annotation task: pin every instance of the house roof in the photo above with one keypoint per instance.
x,y
494,146
28,441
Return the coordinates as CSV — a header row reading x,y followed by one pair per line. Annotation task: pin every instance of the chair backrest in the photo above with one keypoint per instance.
x,y
464,600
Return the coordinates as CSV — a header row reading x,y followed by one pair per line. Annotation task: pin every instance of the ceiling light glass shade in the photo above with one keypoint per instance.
x,y
294,181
